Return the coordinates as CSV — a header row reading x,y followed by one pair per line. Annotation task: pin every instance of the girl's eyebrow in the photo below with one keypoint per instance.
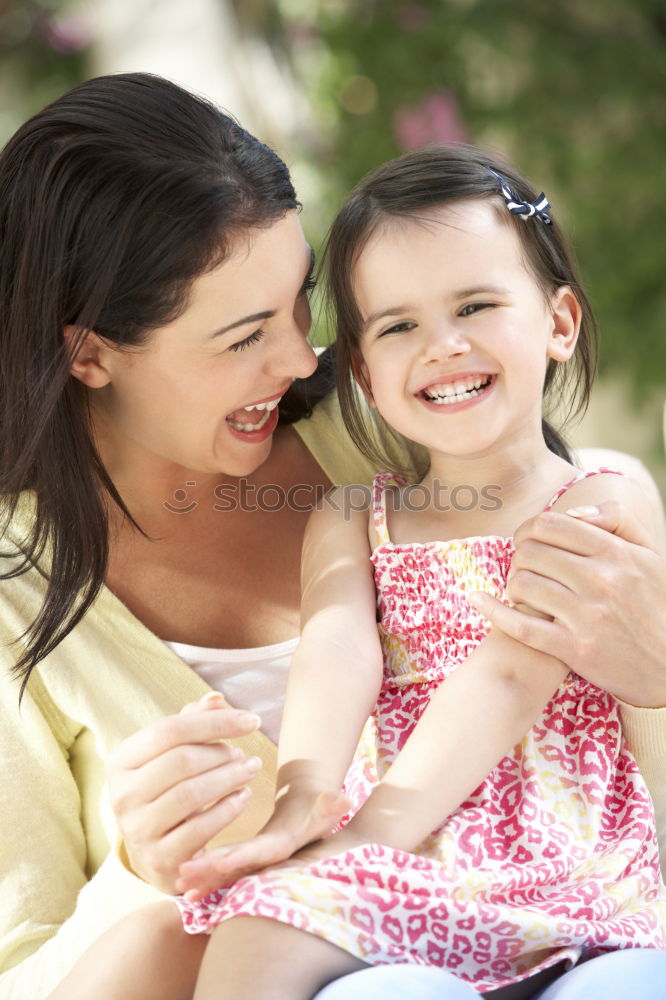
x,y
384,313
259,317
463,293
480,290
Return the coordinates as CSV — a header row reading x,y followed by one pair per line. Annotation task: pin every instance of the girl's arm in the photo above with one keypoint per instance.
x,y
333,685
482,710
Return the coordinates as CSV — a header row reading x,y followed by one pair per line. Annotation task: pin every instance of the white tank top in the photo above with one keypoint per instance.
x,y
254,679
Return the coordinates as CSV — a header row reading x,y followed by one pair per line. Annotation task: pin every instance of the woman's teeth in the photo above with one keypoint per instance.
x,y
262,406
456,392
242,426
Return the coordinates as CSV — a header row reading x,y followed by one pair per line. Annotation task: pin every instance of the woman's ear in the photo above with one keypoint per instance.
x,y
89,355
566,315
360,373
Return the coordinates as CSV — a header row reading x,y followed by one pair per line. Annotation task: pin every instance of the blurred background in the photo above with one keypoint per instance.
x,y
574,91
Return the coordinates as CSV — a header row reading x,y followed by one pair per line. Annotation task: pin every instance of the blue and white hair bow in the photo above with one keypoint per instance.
x,y
525,209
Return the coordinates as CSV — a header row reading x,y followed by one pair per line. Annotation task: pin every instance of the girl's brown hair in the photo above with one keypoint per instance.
x,y
405,187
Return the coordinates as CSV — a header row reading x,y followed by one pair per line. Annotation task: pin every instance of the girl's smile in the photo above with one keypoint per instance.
x,y
455,392
456,327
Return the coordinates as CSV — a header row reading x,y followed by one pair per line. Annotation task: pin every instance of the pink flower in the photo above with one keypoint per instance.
x,y
68,34
435,119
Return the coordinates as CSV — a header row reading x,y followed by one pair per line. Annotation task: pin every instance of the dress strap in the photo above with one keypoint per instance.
x,y
577,479
379,484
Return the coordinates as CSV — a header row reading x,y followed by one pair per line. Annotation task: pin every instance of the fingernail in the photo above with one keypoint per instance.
x,y
248,720
583,511
252,764
474,599
211,696
243,793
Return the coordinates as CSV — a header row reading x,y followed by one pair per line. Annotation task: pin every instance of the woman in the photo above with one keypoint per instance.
x,y
153,280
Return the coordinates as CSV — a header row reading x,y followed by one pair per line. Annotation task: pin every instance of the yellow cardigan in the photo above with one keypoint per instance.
x,y
62,885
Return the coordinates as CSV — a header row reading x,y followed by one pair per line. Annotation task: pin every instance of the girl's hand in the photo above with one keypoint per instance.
x,y
301,816
175,784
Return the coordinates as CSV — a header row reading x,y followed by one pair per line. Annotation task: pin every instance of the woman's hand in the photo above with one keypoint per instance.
x,y
301,816
604,589
176,783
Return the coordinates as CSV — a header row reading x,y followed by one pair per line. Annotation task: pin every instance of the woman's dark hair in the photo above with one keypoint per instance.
x,y
113,199
404,188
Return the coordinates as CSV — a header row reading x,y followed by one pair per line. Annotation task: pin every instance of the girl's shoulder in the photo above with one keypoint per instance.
x,y
576,477
595,486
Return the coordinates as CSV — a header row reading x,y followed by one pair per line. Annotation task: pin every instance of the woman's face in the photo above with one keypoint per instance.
x,y
203,392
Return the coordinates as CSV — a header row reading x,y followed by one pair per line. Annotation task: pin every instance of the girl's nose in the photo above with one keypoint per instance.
x,y
444,342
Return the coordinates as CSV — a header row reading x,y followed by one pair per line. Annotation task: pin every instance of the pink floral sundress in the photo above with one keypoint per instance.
x,y
554,857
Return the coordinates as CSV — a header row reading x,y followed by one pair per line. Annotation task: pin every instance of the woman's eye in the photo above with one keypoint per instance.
x,y
474,307
308,285
254,338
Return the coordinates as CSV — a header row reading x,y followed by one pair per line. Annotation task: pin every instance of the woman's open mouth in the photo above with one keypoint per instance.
x,y
252,417
255,422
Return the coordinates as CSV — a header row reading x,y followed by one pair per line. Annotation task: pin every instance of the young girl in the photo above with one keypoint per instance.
x,y
499,828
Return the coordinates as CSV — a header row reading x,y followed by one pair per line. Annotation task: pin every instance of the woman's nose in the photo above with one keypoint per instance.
x,y
293,356
444,341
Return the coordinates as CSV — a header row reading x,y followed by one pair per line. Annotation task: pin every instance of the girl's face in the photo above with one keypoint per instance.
x,y
203,393
457,333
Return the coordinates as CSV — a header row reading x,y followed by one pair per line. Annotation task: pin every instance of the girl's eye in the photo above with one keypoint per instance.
x,y
398,328
254,338
474,307
308,285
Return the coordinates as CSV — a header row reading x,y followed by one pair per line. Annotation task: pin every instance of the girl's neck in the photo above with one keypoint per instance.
x,y
491,494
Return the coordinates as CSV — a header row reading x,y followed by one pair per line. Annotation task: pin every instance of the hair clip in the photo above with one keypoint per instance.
x,y
525,209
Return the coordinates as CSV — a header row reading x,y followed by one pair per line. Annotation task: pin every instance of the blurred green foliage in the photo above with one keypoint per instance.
x,y
573,92
42,54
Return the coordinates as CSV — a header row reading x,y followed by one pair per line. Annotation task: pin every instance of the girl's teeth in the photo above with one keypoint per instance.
x,y
456,392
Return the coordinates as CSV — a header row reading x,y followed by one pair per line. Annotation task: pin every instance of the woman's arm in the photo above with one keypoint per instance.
x,y
50,908
333,685
53,815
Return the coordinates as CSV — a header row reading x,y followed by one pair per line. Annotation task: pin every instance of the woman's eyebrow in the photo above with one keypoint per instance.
x,y
254,318
258,317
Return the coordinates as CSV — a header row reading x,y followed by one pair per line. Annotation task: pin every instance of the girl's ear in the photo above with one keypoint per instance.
x,y
89,356
360,373
566,315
